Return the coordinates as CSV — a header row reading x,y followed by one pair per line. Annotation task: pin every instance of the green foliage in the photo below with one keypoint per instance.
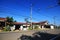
x,y
35,27
57,27
30,28
10,21
15,21
26,20
7,28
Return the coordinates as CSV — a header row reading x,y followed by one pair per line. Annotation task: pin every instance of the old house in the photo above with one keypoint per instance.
x,y
25,26
2,22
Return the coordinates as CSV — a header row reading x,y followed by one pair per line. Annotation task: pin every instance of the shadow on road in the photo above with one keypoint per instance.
x,y
38,36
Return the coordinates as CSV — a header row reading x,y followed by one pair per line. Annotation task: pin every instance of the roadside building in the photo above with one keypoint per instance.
x,y
25,26
2,22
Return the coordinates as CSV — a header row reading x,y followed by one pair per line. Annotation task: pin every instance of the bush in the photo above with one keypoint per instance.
x,y
30,28
36,27
7,28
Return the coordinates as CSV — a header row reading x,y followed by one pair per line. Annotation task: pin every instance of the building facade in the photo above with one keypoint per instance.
x,y
25,26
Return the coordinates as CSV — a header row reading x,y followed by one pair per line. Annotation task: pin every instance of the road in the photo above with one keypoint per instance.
x,y
16,35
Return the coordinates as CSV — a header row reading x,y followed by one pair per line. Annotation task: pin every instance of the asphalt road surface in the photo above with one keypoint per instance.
x,y
16,35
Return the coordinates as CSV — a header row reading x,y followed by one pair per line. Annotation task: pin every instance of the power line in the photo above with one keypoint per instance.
x,y
29,17
38,12
19,15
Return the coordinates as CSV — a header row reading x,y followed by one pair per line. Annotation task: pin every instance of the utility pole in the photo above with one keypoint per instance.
x,y
31,16
54,20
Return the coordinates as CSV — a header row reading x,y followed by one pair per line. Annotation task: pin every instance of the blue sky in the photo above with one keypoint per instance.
x,y
20,9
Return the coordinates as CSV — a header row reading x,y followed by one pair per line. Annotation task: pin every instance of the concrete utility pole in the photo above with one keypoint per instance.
x,y
31,16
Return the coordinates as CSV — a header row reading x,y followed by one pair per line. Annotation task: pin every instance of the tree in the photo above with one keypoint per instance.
x,y
15,21
26,20
10,21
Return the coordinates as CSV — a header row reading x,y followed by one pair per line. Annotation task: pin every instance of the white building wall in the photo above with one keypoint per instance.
x,y
21,28
12,28
24,28
52,27
42,27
